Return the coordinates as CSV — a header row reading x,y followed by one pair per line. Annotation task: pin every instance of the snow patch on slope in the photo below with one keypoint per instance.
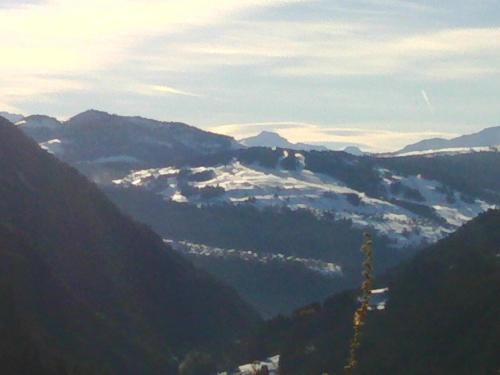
x,y
324,268
450,151
237,183
39,121
54,146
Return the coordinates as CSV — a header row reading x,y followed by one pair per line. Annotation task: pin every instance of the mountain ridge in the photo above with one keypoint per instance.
x,y
272,139
12,117
132,305
96,137
408,201
485,137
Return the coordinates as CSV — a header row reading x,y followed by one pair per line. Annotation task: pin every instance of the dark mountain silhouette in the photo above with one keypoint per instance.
x,y
354,150
99,137
12,117
83,286
483,138
272,139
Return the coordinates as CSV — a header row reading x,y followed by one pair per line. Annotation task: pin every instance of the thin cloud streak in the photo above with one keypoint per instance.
x,y
56,37
162,89
372,136
426,100
308,49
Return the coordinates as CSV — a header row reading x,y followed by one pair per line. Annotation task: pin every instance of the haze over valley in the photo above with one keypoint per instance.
x,y
293,187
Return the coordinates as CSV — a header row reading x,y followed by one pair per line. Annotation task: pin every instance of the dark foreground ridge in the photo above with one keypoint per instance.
x,y
84,289
442,316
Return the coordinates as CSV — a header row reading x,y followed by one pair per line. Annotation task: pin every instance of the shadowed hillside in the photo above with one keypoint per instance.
x,y
90,286
442,316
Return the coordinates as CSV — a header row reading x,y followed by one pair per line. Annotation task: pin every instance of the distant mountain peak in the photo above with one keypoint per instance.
x,y
267,133
484,138
93,112
12,117
38,122
98,137
272,139
90,115
94,116
354,150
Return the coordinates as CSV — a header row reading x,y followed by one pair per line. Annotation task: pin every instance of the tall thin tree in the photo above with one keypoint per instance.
x,y
360,314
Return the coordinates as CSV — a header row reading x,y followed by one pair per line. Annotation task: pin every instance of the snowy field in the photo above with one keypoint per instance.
x,y
237,183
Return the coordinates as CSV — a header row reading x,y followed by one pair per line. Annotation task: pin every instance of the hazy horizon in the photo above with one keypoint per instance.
x,y
376,73
242,131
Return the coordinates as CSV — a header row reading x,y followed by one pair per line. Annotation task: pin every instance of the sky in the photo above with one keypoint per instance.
x,y
375,73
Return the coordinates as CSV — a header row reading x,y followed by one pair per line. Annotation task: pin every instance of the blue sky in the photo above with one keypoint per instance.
x,y
377,73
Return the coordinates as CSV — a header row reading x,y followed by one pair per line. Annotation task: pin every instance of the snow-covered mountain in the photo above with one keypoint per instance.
x,y
272,139
484,138
412,209
185,164
170,175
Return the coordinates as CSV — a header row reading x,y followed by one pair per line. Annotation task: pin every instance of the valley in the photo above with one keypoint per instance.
x,y
251,187
213,193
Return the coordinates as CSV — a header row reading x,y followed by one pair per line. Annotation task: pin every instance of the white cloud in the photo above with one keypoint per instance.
x,y
356,48
162,89
260,62
16,88
440,54
69,37
76,37
5,107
